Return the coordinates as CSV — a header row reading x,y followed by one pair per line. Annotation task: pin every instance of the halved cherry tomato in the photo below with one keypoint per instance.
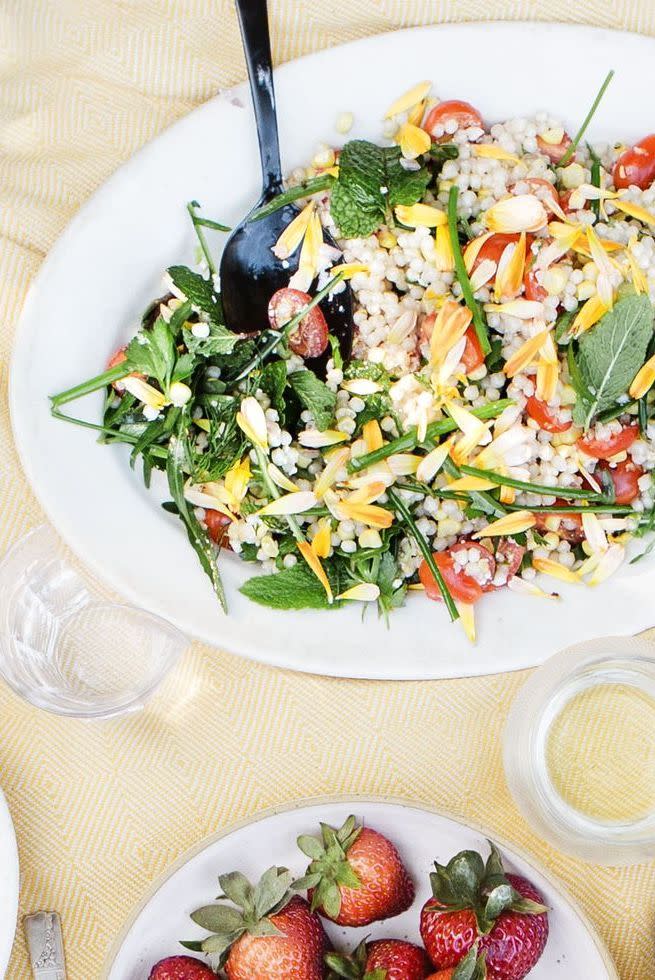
x,y
310,337
217,525
554,151
472,358
540,187
606,448
636,165
532,288
625,477
460,585
509,556
544,416
494,247
570,526
462,113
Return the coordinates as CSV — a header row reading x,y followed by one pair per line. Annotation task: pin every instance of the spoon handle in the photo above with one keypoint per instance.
x,y
253,20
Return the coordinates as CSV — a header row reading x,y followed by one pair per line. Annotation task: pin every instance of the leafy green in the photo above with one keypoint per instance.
x,y
440,152
561,332
199,291
368,370
371,183
609,356
273,380
153,353
219,341
293,588
177,457
315,396
479,321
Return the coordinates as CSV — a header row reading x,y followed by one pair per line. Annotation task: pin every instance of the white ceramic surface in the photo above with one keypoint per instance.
x,y
8,884
422,835
108,264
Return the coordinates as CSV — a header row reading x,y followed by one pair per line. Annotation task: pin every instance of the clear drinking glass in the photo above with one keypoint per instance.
x,y
579,750
66,645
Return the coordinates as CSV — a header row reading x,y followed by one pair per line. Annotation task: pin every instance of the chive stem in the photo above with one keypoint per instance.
x,y
409,440
309,187
578,136
563,511
479,323
191,208
93,384
403,511
565,493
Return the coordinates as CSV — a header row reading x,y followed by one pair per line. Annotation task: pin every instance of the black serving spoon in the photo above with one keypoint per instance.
x,y
250,273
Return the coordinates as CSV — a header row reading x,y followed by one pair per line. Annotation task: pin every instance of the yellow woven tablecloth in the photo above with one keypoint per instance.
x,y
100,809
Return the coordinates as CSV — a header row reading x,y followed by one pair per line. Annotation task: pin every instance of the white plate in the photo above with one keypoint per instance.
x,y
8,884
422,836
108,264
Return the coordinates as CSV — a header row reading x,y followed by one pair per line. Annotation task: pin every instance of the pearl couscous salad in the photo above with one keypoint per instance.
x,y
494,425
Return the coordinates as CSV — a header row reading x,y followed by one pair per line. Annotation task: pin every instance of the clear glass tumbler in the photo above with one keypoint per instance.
x,y
579,750
66,645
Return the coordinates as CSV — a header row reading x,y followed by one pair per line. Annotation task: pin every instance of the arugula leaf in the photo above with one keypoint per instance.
x,y
220,341
177,457
273,380
609,356
293,588
371,182
199,291
315,396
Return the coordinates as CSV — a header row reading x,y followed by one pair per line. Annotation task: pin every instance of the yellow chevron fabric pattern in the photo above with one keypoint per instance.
x,y
101,809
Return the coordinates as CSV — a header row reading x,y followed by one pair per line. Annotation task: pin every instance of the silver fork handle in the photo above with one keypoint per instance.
x,y
46,945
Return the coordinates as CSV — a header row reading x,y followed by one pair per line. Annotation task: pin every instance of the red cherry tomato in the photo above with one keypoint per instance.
x,y
117,358
606,448
532,288
570,525
509,556
310,337
565,203
461,586
636,165
625,477
463,113
554,151
472,358
494,247
544,416
217,525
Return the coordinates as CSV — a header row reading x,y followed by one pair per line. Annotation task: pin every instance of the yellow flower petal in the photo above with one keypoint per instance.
x,y
507,495
368,492
294,233
237,480
491,151
203,495
521,587
335,461
594,533
408,99
465,420
555,569
348,269
369,514
523,309
322,540
644,379
404,464
432,463
466,612
468,483
443,250
415,115
314,563
639,280
511,269
452,322
364,592
145,392
252,422
635,211
280,479
588,315
526,354
608,564
291,503
521,212
516,523
473,248
372,434
309,254
313,439
413,140
420,215
547,378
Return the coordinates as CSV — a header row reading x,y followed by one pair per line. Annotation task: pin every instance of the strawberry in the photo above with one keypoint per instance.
x,y
181,968
356,875
474,902
472,967
267,933
384,959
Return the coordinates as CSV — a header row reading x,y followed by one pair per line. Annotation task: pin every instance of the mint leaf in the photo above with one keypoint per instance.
x,y
273,380
220,341
368,370
609,356
293,588
315,396
371,182
199,291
